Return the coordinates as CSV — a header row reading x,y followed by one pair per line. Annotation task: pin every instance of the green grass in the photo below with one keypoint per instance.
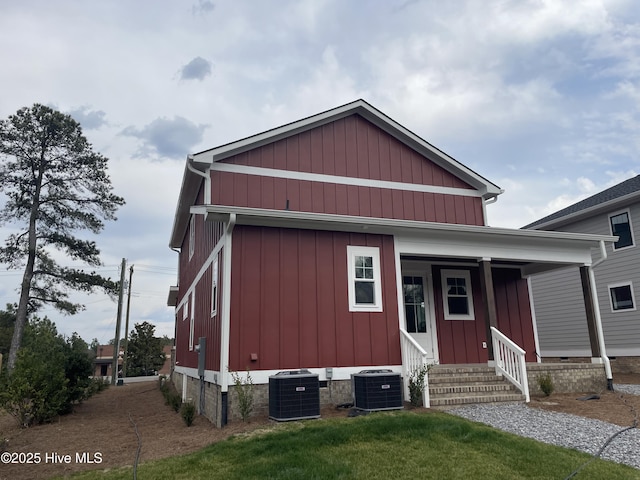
x,y
380,446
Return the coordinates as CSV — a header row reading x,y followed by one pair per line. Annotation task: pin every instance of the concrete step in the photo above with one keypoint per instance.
x,y
464,388
452,401
466,378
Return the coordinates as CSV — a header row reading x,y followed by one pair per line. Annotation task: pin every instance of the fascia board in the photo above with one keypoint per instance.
x,y
588,212
187,197
322,221
487,188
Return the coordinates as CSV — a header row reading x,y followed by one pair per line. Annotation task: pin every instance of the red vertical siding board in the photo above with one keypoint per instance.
x,y
293,194
397,200
317,198
304,152
407,202
240,190
362,147
394,160
289,301
375,202
266,156
353,204
271,278
449,209
254,192
215,187
416,167
226,188
280,155
373,148
439,207
327,311
344,324
293,152
427,173
328,150
280,193
340,146
418,205
267,188
385,158
351,147
342,200
387,203
318,158
308,305
460,216
329,198
306,200
364,201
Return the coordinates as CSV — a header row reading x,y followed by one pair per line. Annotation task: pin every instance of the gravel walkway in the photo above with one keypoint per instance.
x,y
561,429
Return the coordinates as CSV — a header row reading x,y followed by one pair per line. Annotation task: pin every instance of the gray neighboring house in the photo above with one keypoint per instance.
x,y
560,312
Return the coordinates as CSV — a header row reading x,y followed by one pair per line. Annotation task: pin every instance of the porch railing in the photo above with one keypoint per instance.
x,y
510,361
413,358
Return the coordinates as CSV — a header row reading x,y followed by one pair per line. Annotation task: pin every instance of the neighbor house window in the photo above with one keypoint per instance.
x,y
622,297
365,289
192,236
621,226
457,295
214,287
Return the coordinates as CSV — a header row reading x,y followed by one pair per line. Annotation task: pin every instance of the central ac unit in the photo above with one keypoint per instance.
x,y
376,390
294,395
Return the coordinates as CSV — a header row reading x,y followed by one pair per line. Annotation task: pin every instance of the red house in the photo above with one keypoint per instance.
x,y
344,241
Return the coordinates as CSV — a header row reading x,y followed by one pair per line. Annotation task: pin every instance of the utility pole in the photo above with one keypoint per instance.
x,y
116,342
126,328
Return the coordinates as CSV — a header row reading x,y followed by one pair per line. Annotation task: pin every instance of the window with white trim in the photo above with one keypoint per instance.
x,y
192,319
185,310
214,287
365,283
457,295
621,297
192,236
620,224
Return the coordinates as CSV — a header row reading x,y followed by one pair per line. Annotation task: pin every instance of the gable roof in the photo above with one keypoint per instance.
x,y
202,161
612,197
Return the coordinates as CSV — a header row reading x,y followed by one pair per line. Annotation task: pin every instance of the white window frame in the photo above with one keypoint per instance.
x,y
457,273
373,252
633,240
214,287
192,236
633,297
185,310
192,320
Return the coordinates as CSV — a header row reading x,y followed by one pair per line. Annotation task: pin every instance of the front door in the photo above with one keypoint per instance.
x,y
417,312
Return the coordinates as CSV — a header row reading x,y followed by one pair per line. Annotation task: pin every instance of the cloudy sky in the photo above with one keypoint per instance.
x,y
539,96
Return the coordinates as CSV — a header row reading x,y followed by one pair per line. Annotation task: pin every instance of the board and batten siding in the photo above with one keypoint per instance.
x,y
289,302
351,147
460,341
622,328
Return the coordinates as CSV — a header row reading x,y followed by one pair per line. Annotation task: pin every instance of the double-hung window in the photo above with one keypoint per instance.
x,y
621,226
365,289
621,296
457,296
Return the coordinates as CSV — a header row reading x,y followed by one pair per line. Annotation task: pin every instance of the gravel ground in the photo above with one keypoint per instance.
x,y
561,429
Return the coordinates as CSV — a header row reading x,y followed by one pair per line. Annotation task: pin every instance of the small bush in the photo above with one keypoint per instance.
x,y
171,396
546,384
188,412
416,384
244,391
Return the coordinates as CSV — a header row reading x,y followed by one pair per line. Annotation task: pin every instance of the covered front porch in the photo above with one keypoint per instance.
x,y
464,298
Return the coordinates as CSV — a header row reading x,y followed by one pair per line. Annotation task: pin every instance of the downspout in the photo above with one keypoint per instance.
x,y
226,320
488,201
596,305
207,179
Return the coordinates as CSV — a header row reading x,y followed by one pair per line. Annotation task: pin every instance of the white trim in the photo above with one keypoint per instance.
x,y
354,251
210,376
201,272
192,319
192,236
457,273
225,319
215,294
534,321
341,180
633,297
633,240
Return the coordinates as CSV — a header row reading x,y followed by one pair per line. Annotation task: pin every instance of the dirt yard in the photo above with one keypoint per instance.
x,y
104,428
